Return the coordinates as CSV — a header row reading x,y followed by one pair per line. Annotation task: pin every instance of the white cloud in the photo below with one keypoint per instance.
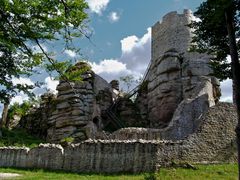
x,y
136,55
51,84
111,69
108,66
97,6
226,87
19,99
194,18
22,81
70,53
113,17
226,90
128,43
228,59
136,52
133,60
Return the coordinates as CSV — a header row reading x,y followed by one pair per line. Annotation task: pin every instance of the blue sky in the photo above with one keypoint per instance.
x,y
121,39
133,17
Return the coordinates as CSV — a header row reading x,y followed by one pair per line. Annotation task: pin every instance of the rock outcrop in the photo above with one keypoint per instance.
x,y
214,142
36,121
177,104
180,87
79,106
176,92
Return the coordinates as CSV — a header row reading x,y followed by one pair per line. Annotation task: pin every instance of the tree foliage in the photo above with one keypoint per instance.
x,y
25,24
128,80
217,33
211,33
23,108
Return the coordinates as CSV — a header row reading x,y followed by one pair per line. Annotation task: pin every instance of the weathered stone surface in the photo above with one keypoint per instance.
x,y
215,139
115,84
45,156
214,142
170,33
36,121
100,84
133,133
78,103
129,114
178,97
176,79
65,86
186,118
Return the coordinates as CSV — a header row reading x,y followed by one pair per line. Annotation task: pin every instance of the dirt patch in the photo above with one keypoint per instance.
x,y
8,175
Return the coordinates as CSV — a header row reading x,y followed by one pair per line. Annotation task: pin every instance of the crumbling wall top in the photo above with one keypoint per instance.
x,y
171,33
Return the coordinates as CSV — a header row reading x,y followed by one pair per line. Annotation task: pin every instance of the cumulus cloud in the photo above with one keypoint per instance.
x,y
51,84
70,53
97,6
135,57
110,69
136,52
226,90
133,61
109,66
128,43
22,80
113,17
19,99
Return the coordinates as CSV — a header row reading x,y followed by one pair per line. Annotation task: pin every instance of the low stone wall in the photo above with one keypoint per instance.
x,y
90,156
110,156
213,142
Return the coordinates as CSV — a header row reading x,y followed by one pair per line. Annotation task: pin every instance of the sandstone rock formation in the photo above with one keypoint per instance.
x,y
214,142
176,92
79,107
177,101
36,121
180,87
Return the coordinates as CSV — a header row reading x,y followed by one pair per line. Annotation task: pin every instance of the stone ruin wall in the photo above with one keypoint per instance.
x,y
78,104
177,90
177,97
75,111
214,142
180,87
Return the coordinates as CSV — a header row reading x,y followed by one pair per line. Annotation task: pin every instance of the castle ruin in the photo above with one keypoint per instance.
x,y
176,115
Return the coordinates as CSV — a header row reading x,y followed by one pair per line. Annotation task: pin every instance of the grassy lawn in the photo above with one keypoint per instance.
x,y
224,172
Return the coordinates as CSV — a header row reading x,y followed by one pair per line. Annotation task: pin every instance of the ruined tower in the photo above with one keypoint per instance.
x,y
176,77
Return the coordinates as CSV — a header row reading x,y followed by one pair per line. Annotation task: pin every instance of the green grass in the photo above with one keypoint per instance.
x,y
18,137
224,172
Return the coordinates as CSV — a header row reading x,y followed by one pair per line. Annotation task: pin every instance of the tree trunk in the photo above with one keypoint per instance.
x,y
235,72
4,114
234,92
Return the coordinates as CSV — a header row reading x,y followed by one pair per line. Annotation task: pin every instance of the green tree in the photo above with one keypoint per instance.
x,y
28,23
128,80
216,34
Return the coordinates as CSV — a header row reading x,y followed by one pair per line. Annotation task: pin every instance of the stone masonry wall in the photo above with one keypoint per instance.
x,y
180,87
214,142
91,156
